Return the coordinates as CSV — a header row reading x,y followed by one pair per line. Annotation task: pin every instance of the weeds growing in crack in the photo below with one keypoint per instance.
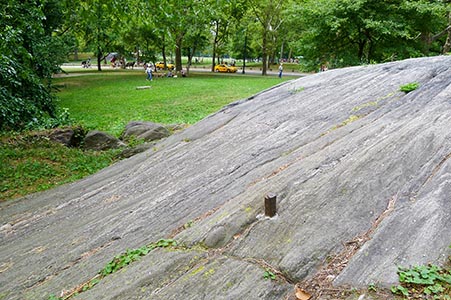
x,y
117,263
269,275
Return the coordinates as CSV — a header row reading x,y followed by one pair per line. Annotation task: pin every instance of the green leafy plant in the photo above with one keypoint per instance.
x,y
188,224
399,289
407,88
134,141
269,275
117,263
424,281
123,260
372,287
130,256
164,243
29,55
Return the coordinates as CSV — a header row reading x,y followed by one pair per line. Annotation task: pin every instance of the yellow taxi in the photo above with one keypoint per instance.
x,y
223,68
160,66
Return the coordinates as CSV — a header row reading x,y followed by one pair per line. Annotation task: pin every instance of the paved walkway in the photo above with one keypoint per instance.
x,y
248,70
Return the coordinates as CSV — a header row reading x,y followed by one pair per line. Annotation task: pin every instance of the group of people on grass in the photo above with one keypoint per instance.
x,y
149,72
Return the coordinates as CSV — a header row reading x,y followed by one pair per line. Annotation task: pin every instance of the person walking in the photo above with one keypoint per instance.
x,y
280,70
149,72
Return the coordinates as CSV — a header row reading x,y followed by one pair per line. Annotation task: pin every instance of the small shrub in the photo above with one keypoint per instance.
x,y
429,281
407,88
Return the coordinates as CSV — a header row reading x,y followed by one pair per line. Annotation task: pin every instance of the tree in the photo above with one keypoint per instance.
x,y
288,36
155,19
241,41
219,20
433,20
30,52
447,46
183,15
101,22
141,40
196,38
173,20
268,14
347,32
224,15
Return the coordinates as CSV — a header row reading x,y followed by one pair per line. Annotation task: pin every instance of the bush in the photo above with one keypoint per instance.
x,y
407,88
29,55
23,97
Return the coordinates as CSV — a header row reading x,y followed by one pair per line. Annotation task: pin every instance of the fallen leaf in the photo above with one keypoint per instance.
x,y
302,295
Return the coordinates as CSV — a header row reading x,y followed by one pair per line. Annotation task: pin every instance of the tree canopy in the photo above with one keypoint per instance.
x,y
349,32
36,35
30,52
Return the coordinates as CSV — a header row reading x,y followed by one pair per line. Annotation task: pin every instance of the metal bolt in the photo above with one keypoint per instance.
x,y
270,205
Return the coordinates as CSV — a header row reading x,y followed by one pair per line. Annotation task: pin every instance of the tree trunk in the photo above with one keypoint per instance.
x,y
362,44
264,52
178,53
137,55
163,51
215,42
447,45
190,58
370,51
213,57
99,59
191,53
272,59
281,52
244,53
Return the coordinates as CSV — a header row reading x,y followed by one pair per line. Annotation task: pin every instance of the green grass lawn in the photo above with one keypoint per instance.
x,y
110,100
31,163
107,101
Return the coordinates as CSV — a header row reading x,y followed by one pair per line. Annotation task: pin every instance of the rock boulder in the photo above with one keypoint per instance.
x,y
361,172
70,137
98,140
147,131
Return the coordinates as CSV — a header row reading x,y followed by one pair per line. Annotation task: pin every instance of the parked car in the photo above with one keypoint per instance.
x,y
223,68
160,66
